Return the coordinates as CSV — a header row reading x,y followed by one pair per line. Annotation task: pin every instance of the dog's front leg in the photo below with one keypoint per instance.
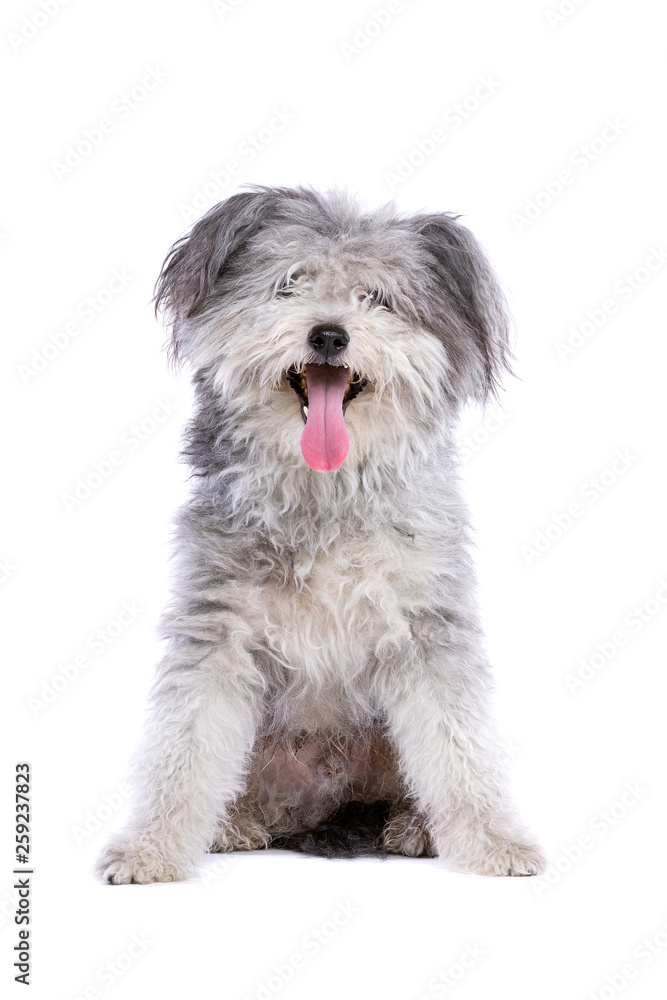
x,y
205,708
453,764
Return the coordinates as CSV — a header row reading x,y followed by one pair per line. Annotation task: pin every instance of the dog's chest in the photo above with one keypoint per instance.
x,y
341,603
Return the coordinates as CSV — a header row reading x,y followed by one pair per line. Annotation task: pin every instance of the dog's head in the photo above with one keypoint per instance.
x,y
295,307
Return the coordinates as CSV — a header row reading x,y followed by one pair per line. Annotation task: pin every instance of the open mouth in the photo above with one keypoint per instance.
x,y
297,380
325,391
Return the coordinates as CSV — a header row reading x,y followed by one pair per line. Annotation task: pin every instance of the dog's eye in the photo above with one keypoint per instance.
x,y
287,285
376,297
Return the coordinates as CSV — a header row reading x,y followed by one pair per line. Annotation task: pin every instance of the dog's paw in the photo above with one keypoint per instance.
x,y
503,857
233,837
405,833
122,863
513,858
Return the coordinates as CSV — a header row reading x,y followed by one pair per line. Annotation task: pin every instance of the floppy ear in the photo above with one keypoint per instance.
x,y
466,306
197,261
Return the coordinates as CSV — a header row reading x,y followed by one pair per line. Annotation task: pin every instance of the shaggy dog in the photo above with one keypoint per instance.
x,y
325,684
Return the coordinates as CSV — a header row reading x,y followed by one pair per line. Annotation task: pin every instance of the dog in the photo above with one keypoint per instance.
x,y
325,685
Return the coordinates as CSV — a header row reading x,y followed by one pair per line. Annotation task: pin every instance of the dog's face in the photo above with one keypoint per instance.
x,y
322,329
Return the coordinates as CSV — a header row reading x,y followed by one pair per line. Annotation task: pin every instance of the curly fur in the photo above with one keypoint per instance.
x,y
324,642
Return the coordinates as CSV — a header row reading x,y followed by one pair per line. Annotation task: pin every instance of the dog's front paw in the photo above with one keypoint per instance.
x,y
122,862
495,855
512,858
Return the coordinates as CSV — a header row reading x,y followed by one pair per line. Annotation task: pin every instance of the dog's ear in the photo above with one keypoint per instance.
x,y
195,263
465,305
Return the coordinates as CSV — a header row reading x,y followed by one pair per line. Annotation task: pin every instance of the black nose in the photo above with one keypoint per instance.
x,y
328,340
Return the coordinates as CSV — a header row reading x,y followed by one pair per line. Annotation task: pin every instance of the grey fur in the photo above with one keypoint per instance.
x,y
324,643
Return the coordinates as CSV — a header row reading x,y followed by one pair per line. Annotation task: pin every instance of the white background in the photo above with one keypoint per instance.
x,y
356,112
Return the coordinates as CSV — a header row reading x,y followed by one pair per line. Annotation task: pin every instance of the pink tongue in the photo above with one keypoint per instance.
x,y
325,440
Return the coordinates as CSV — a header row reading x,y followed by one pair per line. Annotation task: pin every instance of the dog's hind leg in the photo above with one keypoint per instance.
x,y
406,833
206,706
242,829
